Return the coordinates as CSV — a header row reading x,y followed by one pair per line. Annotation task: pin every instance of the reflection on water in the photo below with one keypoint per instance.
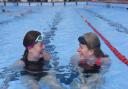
x,y
67,76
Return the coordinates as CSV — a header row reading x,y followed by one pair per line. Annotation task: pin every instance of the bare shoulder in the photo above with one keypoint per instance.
x,y
19,63
106,63
74,60
106,59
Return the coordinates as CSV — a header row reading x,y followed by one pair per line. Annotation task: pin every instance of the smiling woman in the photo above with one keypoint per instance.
x,y
33,60
92,62
61,26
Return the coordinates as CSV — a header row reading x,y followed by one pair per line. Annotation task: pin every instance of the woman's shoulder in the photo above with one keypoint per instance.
x,y
74,60
106,63
19,62
105,59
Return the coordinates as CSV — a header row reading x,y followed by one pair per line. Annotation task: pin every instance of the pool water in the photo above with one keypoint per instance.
x,y
62,25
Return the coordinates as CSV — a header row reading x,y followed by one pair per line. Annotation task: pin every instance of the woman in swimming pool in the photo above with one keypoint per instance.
x,y
33,61
91,60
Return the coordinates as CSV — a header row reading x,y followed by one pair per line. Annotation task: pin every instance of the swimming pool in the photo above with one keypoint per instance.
x,y
62,26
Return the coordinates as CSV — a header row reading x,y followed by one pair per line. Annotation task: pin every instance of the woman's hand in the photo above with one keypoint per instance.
x,y
46,56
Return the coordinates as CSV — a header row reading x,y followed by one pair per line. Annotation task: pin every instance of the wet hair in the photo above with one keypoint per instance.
x,y
92,41
29,39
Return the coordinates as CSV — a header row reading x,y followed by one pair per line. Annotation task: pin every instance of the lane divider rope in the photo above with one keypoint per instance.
x,y
113,49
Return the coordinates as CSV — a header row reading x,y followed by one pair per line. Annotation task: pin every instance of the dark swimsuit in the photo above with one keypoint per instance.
x,y
89,70
34,68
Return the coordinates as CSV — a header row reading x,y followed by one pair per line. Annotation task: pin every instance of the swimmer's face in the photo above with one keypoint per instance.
x,y
84,52
36,50
38,47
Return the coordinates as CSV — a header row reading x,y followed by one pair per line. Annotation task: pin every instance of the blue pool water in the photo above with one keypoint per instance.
x,y
62,25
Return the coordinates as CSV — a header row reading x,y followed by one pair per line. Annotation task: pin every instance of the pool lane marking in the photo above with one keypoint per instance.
x,y
112,48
